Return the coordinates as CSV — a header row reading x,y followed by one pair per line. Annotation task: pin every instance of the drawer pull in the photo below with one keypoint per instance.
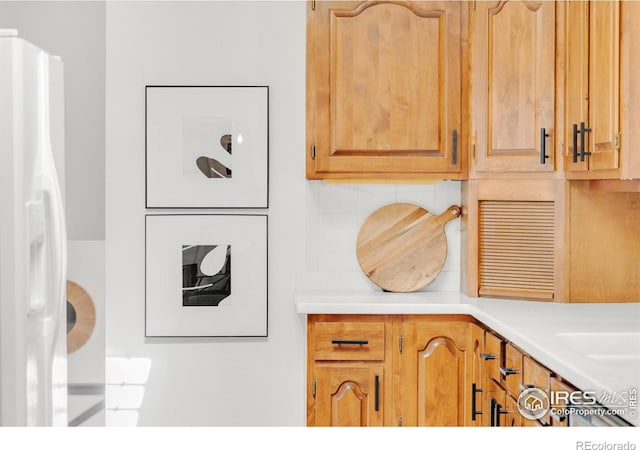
x,y
524,387
487,356
506,371
349,342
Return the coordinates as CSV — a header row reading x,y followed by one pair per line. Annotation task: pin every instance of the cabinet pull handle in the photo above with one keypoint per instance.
x,y
575,142
543,150
492,421
583,131
454,153
506,371
487,356
499,411
377,393
524,387
349,342
474,402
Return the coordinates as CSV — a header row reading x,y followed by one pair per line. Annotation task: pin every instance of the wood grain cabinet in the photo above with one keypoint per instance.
x,y
433,367
513,70
372,370
418,370
385,89
347,370
592,92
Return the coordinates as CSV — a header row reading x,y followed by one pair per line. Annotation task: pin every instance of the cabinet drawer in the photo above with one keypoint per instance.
x,y
493,346
533,374
342,341
536,375
558,419
511,371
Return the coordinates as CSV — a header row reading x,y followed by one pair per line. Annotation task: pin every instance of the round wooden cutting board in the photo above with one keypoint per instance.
x,y
402,247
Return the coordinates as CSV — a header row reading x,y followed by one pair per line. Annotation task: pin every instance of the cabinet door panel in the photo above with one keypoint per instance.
x,y
385,86
513,85
577,79
346,395
433,370
604,89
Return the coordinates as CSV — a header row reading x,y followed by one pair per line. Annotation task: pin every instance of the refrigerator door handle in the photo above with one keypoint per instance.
x,y
49,311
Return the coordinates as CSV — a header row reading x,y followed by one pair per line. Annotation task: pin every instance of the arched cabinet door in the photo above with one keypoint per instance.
x,y
384,87
434,368
349,395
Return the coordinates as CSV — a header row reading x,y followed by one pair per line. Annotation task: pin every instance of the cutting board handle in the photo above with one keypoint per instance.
x,y
451,213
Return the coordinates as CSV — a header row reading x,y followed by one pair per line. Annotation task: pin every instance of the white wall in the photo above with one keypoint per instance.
x,y
251,382
312,225
76,32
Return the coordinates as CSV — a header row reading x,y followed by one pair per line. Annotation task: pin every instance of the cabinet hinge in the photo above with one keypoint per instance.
x,y
473,151
617,140
313,5
313,388
400,343
313,152
400,421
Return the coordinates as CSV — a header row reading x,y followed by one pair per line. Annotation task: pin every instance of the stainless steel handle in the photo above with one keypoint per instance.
x,y
506,371
487,356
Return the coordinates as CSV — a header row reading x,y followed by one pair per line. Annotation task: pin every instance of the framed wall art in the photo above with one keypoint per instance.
x,y
207,146
206,275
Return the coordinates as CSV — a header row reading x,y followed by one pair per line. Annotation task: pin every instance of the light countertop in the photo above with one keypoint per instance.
x,y
593,346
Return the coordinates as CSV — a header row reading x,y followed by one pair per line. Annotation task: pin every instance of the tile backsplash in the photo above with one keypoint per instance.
x,y
334,214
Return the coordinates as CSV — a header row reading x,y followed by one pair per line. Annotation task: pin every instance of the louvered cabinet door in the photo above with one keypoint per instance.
x,y
516,249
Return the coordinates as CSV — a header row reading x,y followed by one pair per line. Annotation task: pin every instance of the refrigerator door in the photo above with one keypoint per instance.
x,y
32,238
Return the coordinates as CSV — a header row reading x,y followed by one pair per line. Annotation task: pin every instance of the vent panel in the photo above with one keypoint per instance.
x,y
516,249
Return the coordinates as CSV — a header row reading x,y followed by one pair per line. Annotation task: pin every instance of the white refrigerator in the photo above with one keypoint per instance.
x,y
33,351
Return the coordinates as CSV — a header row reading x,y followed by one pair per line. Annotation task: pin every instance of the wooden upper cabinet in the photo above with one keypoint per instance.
x,y
384,89
592,95
513,86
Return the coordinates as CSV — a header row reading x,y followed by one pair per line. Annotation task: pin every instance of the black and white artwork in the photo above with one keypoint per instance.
x,y
194,288
206,274
207,146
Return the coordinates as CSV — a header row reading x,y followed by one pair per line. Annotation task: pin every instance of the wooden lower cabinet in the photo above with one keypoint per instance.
x,y
349,394
418,370
374,370
433,371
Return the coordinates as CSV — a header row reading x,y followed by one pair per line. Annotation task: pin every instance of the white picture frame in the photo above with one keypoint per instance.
x,y
206,275
206,147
